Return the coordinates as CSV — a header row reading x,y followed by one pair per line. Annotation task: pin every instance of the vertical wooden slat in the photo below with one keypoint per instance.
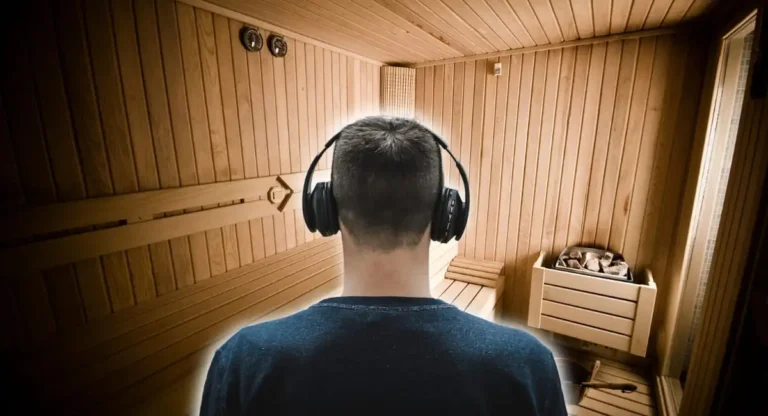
x,y
193,80
343,95
93,290
455,119
522,264
499,127
419,94
177,94
591,105
571,91
513,98
446,128
543,180
330,108
313,97
320,100
607,100
292,111
182,262
429,89
568,164
523,114
162,267
633,139
198,246
466,132
481,71
231,132
616,141
55,113
34,307
67,307
301,100
212,87
118,281
281,101
78,77
141,274
231,254
157,100
116,133
486,154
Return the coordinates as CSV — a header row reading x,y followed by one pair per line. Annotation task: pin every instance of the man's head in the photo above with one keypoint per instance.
x,y
386,179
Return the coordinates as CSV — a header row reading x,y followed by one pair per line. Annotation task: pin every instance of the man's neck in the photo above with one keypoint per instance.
x,y
401,272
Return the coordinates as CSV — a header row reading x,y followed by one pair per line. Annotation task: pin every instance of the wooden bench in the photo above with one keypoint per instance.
x,y
148,351
474,286
129,355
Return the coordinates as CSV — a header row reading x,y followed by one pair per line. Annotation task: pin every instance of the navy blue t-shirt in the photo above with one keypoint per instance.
x,y
382,355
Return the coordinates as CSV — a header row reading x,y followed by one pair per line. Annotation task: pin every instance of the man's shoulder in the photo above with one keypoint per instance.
x,y
276,334
490,337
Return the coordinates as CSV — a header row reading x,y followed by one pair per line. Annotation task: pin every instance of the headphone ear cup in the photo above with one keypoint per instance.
x,y
444,219
326,219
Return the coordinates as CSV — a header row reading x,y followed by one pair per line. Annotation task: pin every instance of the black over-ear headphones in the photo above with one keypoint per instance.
x,y
449,218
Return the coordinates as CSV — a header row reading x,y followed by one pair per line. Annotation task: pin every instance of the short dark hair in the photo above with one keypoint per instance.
x,y
386,178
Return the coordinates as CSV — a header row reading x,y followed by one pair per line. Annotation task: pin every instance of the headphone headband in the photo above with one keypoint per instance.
x,y
307,191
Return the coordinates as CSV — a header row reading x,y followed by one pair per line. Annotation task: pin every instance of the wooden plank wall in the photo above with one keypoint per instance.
x,y
586,145
121,96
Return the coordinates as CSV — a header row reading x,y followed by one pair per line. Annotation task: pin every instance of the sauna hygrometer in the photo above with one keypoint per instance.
x,y
277,45
251,39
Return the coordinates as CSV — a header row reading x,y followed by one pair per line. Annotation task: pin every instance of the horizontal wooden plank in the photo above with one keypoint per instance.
x,y
546,47
483,303
73,248
482,263
466,296
137,316
217,310
627,375
574,410
586,333
472,272
470,279
603,287
210,335
439,288
488,269
45,219
621,402
590,318
604,408
223,11
590,301
453,291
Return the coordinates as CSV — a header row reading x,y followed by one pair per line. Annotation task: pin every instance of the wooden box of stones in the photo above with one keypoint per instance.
x,y
594,262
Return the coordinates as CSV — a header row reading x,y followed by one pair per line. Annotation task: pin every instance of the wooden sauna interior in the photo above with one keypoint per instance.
x,y
150,170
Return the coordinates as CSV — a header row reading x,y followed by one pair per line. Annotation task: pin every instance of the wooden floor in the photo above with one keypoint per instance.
x,y
616,403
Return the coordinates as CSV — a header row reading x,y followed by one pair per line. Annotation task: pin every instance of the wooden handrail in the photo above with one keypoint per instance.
x,y
138,211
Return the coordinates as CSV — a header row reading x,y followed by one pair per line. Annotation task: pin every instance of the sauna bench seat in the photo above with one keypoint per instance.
x,y
131,358
607,312
474,286
119,361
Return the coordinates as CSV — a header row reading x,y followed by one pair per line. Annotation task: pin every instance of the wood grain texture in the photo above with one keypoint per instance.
x,y
579,136
145,95
397,31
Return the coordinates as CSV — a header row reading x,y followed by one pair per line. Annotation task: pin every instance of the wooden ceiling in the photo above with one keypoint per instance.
x,y
411,31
